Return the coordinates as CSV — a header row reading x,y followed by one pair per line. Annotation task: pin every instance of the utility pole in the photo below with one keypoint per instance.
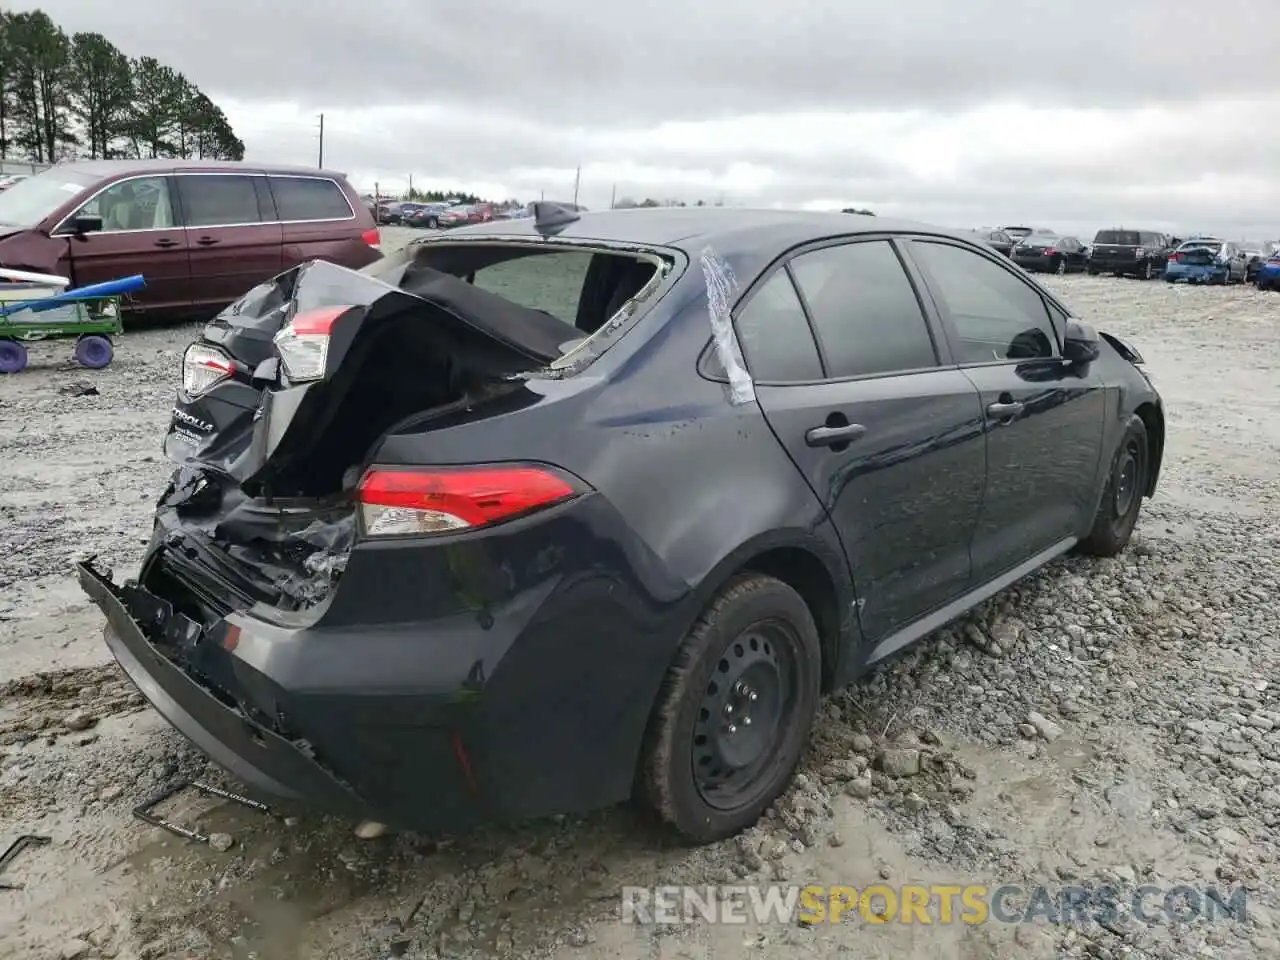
x,y
577,178
613,197
411,186
321,163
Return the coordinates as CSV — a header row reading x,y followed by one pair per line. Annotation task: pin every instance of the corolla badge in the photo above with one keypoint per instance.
x,y
192,421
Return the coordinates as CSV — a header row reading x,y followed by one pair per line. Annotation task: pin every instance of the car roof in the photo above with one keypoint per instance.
x,y
750,236
118,168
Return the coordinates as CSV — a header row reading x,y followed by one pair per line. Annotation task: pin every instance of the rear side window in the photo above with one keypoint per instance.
x,y
996,315
218,200
309,198
864,310
550,282
774,334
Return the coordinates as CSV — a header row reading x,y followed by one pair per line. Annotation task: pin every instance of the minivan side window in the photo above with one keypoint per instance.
x,y
309,198
865,311
774,334
218,200
142,203
996,315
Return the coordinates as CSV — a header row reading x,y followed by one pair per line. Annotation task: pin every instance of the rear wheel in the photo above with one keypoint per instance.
x,y
1148,271
94,352
735,711
1061,268
432,223
13,356
1121,502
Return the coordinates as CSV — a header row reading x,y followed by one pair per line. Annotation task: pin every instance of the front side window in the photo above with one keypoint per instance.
x,y
142,203
218,200
865,311
774,335
996,315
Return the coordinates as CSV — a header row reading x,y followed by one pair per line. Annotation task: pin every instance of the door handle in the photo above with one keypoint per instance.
x,y
830,436
166,242
1003,411
207,241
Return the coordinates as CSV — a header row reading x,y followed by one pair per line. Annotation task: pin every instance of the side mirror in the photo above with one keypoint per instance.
x,y
1080,343
86,224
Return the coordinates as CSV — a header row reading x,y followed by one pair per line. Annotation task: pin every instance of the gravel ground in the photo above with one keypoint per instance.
x,y
1113,722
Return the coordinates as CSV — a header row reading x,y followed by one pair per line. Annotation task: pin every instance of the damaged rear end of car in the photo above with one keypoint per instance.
x,y
323,599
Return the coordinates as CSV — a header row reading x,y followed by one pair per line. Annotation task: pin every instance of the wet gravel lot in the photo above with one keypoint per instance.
x,y
1103,723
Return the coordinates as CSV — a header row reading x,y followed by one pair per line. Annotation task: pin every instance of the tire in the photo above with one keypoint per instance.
x,y
13,356
94,352
1147,272
433,223
1061,268
757,632
1092,272
1122,500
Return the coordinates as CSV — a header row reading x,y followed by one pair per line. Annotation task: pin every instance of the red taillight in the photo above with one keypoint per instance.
x,y
1176,258
372,238
1274,260
303,342
405,501
1050,251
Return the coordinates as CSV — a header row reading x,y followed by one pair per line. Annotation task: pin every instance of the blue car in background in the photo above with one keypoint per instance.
x,y
1207,260
1268,277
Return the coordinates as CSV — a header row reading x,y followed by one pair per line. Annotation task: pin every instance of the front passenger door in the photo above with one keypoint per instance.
x,y
1043,419
235,238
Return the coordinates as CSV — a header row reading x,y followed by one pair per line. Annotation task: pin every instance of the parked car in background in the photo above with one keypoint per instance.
x,y
200,232
427,215
9,180
1268,274
1136,253
1041,253
390,212
429,572
997,240
1256,254
1206,260
467,215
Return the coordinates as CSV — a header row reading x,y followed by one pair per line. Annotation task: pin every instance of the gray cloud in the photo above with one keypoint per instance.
x,y
581,61
518,94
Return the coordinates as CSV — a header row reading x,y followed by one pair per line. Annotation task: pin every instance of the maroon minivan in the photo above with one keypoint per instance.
x,y
201,233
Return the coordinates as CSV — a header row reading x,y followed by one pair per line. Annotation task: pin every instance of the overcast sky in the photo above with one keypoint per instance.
x,y
1072,115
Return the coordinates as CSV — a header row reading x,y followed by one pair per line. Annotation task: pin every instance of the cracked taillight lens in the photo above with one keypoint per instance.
x,y
204,367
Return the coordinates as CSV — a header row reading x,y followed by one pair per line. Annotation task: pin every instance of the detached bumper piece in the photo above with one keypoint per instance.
x,y
257,756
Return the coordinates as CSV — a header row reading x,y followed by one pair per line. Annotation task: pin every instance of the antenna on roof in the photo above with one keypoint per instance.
x,y
547,216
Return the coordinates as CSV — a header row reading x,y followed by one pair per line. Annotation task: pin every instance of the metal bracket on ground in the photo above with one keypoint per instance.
x,y
15,848
143,810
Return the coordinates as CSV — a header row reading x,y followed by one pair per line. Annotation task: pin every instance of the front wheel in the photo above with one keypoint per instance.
x,y
735,710
1121,502
13,356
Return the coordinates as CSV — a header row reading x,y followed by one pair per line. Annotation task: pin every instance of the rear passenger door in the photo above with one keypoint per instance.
x,y
318,221
853,380
234,239
1043,419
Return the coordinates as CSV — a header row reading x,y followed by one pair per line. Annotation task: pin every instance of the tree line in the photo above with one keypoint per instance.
x,y
63,97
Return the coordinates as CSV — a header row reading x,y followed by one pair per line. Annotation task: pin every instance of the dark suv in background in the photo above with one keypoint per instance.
x,y
1137,253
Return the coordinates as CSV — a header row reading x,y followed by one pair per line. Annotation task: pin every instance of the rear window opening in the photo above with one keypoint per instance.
x,y
410,362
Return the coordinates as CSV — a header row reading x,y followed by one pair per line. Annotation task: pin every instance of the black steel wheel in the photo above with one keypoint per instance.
x,y
1122,500
734,714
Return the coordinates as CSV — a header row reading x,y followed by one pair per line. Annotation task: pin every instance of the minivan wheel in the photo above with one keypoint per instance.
x,y
734,713
1118,512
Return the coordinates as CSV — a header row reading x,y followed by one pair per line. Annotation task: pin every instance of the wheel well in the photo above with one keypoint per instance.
x,y
809,577
1153,420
